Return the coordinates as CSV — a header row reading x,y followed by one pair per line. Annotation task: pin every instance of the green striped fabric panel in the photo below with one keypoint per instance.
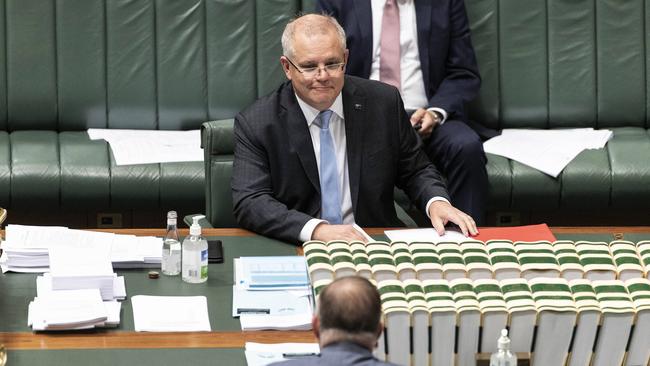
x,y
517,295
451,256
415,295
381,261
567,256
318,261
438,296
341,258
552,294
426,260
462,290
489,295
613,296
536,256
639,290
626,258
403,260
360,258
502,256
643,249
393,296
475,256
595,256
584,295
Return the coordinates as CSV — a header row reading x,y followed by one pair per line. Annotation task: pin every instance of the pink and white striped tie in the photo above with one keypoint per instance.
x,y
389,54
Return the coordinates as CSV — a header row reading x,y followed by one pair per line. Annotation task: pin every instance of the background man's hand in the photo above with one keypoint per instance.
x,y
427,120
326,232
442,212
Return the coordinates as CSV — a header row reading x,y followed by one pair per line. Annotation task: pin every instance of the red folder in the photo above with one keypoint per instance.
x,y
516,233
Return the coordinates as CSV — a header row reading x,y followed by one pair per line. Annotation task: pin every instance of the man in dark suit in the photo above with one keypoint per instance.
x,y
325,150
436,72
347,324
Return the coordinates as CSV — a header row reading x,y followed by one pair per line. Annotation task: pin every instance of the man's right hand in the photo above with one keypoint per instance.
x,y
326,232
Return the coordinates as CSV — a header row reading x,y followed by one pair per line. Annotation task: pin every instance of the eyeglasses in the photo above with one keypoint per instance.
x,y
312,72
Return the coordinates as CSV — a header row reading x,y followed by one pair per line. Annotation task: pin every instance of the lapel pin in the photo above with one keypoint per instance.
x,y
358,107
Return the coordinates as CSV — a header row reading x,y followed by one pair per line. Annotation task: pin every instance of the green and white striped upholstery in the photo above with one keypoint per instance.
x,y
628,264
596,260
503,259
426,260
568,259
403,260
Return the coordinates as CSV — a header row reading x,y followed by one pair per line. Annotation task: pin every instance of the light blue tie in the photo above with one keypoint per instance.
x,y
329,176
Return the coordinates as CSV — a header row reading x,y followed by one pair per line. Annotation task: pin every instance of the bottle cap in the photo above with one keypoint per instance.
x,y
195,229
153,275
504,341
171,218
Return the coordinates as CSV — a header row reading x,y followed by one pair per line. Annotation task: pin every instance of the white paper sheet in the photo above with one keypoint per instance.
x,y
170,313
548,151
67,309
259,354
272,273
424,235
151,146
272,302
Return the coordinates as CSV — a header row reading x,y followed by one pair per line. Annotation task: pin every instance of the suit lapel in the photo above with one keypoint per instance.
x,y
354,110
423,22
364,17
298,135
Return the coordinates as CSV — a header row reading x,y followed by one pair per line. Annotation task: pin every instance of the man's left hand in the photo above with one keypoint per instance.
x,y
427,120
441,212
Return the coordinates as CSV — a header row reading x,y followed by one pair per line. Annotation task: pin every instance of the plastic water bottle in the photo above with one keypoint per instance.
x,y
171,255
195,254
503,356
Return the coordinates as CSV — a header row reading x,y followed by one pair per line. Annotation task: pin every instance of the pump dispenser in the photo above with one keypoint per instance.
x,y
195,254
503,356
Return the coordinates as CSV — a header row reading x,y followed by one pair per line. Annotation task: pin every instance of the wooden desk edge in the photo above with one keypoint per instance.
x,y
142,340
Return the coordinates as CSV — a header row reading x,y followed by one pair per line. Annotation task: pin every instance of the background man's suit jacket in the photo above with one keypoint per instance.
x,y
447,59
275,182
339,354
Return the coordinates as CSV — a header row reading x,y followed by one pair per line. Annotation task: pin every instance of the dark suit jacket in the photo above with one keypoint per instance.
x,y
449,68
338,354
275,182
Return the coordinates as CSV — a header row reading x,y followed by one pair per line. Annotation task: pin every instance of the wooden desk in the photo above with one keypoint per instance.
x,y
237,242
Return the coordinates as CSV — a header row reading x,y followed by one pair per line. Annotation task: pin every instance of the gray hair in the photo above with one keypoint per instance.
x,y
312,24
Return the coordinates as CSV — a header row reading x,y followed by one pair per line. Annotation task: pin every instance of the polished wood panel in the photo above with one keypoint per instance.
x,y
25,340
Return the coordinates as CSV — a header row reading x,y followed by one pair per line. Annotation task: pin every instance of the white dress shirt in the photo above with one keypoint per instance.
x,y
412,83
337,129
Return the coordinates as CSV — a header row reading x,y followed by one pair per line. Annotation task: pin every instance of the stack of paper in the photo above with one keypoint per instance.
x,y
71,310
76,266
258,354
272,293
26,247
170,313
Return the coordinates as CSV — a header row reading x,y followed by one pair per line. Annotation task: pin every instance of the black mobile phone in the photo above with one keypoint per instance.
x,y
215,251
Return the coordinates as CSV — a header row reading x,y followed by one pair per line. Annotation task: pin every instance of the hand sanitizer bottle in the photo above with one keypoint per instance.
x,y
195,254
503,356
171,255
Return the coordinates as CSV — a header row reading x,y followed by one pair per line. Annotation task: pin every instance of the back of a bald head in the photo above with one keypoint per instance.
x,y
351,305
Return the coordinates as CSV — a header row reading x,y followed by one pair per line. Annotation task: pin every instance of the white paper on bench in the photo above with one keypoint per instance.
x,y
170,313
150,146
259,354
424,235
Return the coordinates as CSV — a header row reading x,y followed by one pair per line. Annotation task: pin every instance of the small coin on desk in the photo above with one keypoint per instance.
x,y
154,274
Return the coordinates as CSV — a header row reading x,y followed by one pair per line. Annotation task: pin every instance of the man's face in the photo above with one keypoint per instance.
x,y
318,50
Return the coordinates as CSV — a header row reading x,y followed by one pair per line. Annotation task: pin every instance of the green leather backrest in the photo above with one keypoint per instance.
x,y
147,64
562,63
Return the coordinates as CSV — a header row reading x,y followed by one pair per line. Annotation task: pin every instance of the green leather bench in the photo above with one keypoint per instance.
x,y
70,65
544,64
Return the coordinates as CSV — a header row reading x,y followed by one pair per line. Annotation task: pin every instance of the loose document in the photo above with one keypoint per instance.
x,y
259,354
131,147
272,293
429,235
548,151
170,313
